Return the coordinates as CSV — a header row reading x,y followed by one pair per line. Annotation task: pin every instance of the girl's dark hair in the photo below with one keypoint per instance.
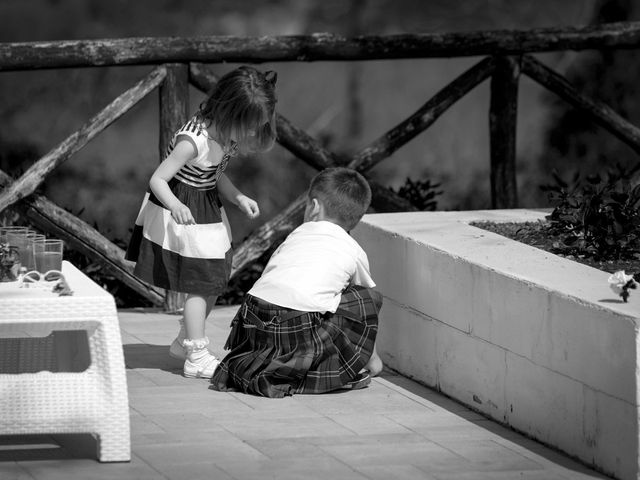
x,y
242,105
345,194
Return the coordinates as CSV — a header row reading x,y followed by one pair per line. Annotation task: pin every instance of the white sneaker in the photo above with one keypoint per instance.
x,y
202,368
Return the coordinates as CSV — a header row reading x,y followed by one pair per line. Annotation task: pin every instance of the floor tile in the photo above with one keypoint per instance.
x,y
393,453
395,472
277,428
367,424
12,471
75,469
181,429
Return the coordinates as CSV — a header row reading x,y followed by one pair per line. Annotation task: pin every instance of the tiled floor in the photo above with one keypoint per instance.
x,y
395,429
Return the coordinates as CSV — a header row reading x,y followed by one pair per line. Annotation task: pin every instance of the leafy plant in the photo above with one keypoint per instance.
x,y
8,260
420,193
600,217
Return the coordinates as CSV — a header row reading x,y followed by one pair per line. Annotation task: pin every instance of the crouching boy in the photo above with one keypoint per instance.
x,y
309,323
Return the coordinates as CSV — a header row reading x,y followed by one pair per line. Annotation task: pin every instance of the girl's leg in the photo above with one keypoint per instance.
x,y
176,350
195,314
196,310
199,362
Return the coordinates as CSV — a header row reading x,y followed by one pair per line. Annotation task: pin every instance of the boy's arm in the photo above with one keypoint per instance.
x,y
362,275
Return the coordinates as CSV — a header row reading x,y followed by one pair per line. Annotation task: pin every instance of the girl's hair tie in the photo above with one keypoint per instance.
x,y
271,77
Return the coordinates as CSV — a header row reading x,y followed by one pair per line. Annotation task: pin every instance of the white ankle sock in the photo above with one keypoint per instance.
x,y
196,348
196,355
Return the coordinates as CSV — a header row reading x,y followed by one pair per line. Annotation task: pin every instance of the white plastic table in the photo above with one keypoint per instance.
x,y
62,364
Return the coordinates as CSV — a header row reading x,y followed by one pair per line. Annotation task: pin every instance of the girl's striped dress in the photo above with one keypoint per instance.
x,y
186,258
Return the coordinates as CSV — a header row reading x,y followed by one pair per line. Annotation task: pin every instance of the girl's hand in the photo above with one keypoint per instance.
x,y
231,194
182,215
248,206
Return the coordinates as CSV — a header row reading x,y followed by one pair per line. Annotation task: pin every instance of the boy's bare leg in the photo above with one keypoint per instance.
x,y
374,365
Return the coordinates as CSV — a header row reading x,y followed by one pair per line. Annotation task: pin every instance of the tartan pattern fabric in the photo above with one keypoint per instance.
x,y
276,351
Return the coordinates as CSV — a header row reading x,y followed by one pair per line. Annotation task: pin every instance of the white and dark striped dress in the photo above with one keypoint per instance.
x,y
186,258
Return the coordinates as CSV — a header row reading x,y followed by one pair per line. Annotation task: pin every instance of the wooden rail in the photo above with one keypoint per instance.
x,y
308,48
182,61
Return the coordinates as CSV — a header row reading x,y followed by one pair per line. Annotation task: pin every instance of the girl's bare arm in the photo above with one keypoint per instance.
x,y
230,193
184,151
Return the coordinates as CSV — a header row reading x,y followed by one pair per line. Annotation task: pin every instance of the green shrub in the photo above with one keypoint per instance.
x,y
420,193
599,218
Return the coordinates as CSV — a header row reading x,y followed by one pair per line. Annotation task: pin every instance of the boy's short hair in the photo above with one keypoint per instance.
x,y
345,194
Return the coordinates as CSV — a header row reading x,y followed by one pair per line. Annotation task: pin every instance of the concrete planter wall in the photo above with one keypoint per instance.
x,y
530,339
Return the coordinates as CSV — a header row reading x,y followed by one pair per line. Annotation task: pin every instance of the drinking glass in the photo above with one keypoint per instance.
x,y
36,237
19,238
48,255
32,238
4,231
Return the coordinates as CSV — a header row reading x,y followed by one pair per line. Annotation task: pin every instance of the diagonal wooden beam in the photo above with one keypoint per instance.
x,y
268,233
304,146
423,118
294,139
301,144
36,174
307,149
601,113
49,217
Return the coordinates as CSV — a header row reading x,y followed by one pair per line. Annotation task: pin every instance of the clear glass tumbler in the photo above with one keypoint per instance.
x,y
20,238
48,255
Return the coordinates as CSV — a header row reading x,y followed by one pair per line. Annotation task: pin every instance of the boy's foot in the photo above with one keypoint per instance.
x,y
176,350
362,380
201,368
374,366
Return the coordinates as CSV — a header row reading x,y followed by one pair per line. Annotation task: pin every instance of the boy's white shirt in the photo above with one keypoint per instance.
x,y
311,267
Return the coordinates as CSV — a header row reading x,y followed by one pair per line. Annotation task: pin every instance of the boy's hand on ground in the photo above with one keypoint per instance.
x,y
248,206
182,215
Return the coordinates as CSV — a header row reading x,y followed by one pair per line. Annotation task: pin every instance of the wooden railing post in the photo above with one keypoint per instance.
x,y
174,105
502,127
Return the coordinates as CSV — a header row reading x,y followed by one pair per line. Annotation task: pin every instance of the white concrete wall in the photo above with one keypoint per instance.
x,y
533,340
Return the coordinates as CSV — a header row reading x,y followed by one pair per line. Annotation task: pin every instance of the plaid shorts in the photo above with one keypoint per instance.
x,y
276,351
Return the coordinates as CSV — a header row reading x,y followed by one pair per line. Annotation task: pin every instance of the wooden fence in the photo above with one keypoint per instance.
x,y
179,62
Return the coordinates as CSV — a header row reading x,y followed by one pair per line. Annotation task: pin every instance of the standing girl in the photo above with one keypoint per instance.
x,y
181,240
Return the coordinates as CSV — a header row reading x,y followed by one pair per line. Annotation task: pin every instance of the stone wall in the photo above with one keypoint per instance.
x,y
535,341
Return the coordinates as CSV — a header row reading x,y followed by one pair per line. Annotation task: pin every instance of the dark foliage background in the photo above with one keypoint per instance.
x,y
345,105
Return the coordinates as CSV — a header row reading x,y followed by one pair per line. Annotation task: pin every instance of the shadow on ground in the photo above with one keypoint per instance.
x,y
16,448
144,355
471,420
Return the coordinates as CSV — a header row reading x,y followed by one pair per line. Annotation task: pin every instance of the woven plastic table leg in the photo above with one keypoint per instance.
x,y
113,430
